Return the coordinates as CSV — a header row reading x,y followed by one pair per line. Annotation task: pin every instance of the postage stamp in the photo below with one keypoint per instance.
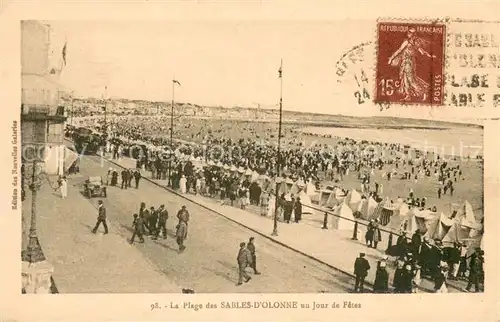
x,y
410,63
443,64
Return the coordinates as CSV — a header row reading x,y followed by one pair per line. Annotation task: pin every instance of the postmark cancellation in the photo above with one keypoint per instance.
x,y
409,67
440,63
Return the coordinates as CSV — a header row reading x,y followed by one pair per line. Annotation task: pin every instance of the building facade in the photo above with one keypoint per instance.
x,y
42,114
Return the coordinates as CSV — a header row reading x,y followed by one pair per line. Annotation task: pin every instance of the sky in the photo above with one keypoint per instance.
x,y
217,63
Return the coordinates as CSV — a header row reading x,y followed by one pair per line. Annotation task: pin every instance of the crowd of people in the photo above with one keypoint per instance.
x,y
222,167
153,222
413,265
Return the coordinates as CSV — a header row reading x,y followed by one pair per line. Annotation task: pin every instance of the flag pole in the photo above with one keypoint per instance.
x,y
278,167
105,113
170,183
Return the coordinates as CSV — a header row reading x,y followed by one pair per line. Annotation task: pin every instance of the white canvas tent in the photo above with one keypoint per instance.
x,y
399,217
335,198
297,186
323,196
426,221
443,225
343,222
353,199
456,233
310,189
467,217
368,208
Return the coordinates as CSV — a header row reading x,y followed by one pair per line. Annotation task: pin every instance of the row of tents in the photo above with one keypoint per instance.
x,y
397,217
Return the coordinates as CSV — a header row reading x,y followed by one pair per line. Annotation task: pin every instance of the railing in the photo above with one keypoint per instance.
x,y
356,222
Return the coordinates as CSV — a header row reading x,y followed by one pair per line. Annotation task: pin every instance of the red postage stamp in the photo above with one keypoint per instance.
x,y
410,63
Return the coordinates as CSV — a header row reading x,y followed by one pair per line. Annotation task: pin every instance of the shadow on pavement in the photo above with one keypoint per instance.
x,y
227,265
167,247
89,227
226,276
338,282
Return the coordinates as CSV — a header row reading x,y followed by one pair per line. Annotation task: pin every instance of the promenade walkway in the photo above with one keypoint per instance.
x,y
83,261
330,246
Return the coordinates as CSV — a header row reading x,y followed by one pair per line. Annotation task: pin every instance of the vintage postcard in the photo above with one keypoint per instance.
x,y
188,168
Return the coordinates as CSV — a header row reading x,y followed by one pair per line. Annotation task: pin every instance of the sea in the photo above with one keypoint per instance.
x,y
462,142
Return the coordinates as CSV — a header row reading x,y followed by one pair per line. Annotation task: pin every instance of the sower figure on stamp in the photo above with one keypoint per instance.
x,y
361,267
251,248
101,218
406,58
244,260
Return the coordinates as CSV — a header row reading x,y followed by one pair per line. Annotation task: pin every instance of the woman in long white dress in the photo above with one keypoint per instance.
x,y
64,187
182,184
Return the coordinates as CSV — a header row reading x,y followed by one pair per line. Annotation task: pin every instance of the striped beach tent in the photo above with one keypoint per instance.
x,y
383,212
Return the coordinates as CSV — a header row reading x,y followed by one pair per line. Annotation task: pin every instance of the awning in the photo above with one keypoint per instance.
x,y
69,158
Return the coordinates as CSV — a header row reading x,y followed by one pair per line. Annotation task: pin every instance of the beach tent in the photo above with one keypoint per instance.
x,y
456,233
383,212
399,216
322,197
282,186
297,186
343,219
467,217
443,225
410,224
310,189
368,208
426,221
353,199
306,202
335,198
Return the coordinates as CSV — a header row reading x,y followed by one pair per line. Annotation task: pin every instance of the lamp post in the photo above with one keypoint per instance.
x,y
278,166
71,97
105,128
174,82
36,271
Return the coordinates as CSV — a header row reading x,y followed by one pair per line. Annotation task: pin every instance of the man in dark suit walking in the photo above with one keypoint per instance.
x,y
125,175
361,267
101,218
251,249
137,177
162,221
244,260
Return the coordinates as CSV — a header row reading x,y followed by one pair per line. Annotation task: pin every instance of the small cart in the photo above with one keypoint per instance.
x,y
94,186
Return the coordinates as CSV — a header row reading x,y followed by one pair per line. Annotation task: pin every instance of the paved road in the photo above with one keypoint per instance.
x,y
209,262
